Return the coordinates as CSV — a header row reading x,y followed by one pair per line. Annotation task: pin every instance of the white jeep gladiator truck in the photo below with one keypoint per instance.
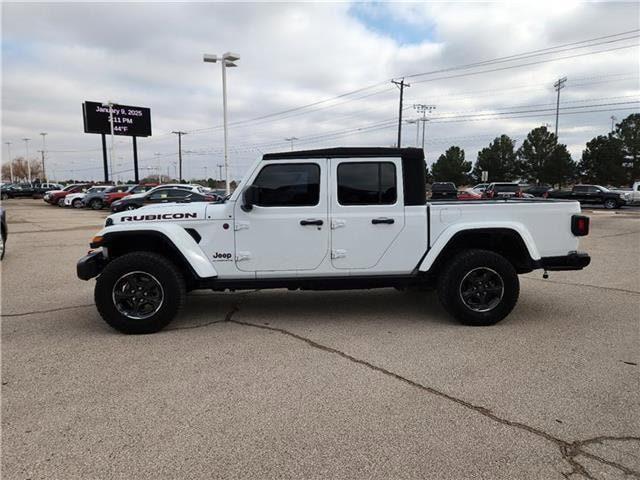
x,y
340,218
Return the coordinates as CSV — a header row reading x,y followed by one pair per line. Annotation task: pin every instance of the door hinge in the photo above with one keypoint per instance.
x,y
337,223
338,253
240,256
240,226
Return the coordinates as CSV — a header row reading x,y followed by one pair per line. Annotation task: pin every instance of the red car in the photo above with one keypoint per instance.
x,y
111,197
468,195
56,197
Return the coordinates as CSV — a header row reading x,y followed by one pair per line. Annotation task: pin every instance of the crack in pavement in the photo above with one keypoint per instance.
x,y
583,285
568,450
34,312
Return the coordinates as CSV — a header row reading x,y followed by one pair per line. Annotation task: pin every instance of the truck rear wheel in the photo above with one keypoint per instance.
x,y
139,292
478,287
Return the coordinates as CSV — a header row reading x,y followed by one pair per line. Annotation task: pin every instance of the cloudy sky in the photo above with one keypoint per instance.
x,y
318,72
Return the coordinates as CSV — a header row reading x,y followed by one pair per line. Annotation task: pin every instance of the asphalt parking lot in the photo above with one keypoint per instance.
x,y
278,384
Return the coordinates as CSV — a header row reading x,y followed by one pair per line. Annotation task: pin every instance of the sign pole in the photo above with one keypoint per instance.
x,y
135,159
104,159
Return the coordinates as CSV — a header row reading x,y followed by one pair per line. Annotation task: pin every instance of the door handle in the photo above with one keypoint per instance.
x,y
388,221
311,222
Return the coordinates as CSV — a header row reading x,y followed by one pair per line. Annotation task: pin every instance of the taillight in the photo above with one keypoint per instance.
x,y
580,225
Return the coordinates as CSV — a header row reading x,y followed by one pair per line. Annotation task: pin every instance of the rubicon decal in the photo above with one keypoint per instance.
x,y
222,256
163,216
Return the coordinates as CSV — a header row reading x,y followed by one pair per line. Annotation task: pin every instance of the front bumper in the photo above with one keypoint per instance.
x,y
572,261
90,265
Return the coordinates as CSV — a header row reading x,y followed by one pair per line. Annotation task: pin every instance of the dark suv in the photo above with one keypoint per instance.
x,y
444,191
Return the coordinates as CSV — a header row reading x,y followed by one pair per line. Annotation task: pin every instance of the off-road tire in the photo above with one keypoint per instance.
x,y
453,274
166,273
96,204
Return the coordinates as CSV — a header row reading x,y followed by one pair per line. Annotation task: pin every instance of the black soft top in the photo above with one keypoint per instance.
x,y
413,166
354,152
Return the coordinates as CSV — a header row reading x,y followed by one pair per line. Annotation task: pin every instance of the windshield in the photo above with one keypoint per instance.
x,y
604,189
68,187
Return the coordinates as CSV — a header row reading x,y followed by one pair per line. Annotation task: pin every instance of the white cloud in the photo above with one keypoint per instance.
x,y
57,55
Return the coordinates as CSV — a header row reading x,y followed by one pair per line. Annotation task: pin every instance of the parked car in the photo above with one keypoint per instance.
x,y
75,200
443,191
56,197
111,196
503,190
590,195
480,188
538,190
23,190
469,194
161,194
95,199
630,195
4,232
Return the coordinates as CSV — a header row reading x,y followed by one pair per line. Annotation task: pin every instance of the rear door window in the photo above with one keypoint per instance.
x,y
367,183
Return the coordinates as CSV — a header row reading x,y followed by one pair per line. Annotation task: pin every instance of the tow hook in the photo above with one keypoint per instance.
x,y
545,274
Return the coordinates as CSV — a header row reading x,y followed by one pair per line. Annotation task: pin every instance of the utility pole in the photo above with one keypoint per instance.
x,y
401,86
559,85
179,133
10,160
423,109
26,147
220,171
291,139
44,149
157,155
613,119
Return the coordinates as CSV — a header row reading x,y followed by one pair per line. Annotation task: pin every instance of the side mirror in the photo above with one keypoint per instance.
x,y
249,198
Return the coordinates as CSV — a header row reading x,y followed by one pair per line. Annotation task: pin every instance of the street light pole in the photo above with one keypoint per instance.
x,y
26,147
44,149
291,139
10,160
226,60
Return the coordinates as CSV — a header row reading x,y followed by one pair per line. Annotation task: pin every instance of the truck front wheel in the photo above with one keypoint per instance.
x,y
139,292
478,287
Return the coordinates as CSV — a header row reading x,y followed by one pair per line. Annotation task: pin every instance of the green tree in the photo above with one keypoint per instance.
x,y
601,161
451,167
542,160
499,159
628,131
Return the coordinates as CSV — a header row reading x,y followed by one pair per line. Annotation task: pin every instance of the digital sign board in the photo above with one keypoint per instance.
x,y
127,120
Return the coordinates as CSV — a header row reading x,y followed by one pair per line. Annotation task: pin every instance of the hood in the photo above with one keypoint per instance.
x,y
165,212
134,195
53,192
